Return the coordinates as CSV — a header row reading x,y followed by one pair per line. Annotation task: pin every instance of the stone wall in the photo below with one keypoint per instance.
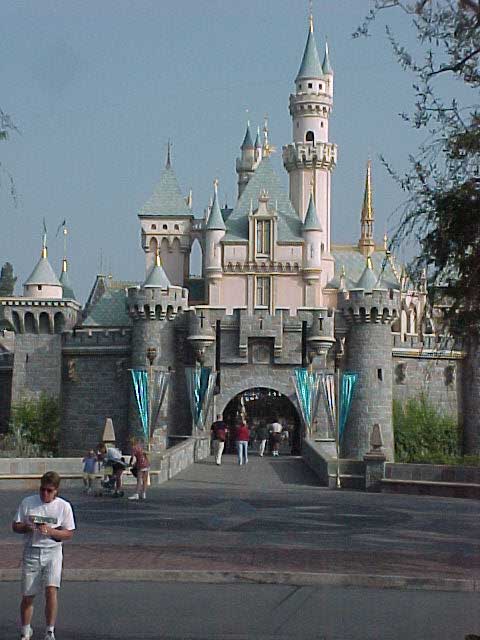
x,y
37,366
470,379
5,397
96,384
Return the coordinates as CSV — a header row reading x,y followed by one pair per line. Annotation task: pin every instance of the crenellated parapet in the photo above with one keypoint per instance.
x,y
45,316
155,303
306,155
200,332
378,306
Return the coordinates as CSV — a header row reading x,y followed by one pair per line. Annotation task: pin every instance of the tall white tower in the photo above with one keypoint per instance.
x,y
311,158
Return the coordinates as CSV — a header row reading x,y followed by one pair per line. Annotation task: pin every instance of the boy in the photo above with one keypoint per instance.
x,y
89,467
46,521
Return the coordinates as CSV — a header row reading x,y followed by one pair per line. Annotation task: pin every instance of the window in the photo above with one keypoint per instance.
x,y
310,137
39,287
299,86
263,292
165,226
320,87
176,227
263,237
154,226
310,85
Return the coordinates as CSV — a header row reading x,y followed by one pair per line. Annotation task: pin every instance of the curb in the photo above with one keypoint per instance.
x,y
262,577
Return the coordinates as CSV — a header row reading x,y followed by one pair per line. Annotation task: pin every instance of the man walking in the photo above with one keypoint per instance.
x,y
46,521
219,434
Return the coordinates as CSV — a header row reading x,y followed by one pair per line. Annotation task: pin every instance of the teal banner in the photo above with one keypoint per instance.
x,y
347,385
140,385
307,389
200,383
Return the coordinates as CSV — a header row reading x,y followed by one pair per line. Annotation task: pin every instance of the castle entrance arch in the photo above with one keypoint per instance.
x,y
263,404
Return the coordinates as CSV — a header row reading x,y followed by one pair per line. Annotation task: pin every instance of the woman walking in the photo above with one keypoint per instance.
x,y
141,465
242,436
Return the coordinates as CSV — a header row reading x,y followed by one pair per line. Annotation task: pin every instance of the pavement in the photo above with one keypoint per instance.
x,y
267,522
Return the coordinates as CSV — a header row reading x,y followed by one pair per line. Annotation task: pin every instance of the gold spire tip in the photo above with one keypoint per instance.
x,y
158,261
310,17
44,251
64,265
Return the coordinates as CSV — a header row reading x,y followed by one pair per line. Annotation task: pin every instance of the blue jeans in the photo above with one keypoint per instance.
x,y
242,451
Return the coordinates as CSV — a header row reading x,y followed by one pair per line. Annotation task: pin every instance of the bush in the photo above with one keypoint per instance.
x,y
35,425
423,434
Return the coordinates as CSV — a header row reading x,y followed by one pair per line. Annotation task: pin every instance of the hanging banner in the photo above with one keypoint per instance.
x,y
328,387
307,389
200,384
160,384
347,385
140,385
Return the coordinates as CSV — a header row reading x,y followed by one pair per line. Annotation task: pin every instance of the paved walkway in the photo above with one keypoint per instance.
x,y
268,521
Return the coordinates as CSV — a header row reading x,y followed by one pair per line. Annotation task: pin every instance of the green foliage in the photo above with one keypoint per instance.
x,y
423,434
37,422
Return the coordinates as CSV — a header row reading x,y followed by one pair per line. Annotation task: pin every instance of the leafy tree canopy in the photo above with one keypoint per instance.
x,y
442,183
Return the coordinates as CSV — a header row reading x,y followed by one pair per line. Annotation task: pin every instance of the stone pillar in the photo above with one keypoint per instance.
x,y
375,462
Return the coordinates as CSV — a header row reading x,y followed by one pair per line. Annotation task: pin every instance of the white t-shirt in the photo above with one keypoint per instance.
x,y
58,509
276,427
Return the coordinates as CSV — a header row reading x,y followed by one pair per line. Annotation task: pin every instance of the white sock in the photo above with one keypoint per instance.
x,y
50,629
26,628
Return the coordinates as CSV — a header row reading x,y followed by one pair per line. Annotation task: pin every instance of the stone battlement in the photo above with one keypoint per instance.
x,y
152,303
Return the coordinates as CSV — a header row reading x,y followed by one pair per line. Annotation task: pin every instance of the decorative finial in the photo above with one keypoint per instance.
x,y
64,265
215,185
248,118
44,240
158,260
267,149
168,163
310,17
369,263
385,241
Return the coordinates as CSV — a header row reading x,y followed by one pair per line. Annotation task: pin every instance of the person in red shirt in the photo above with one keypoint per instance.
x,y
219,435
242,436
140,461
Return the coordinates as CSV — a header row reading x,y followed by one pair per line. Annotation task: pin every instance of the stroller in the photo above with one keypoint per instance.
x,y
113,465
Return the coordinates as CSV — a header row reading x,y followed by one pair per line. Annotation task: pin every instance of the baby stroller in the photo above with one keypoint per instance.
x,y
113,466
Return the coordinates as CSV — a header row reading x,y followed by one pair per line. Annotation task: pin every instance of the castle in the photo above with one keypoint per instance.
x,y
275,294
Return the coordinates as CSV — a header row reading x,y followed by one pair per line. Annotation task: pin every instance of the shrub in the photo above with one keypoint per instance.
x,y
423,434
36,423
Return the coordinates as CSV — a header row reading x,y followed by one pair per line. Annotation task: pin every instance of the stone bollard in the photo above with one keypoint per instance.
x,y
375,461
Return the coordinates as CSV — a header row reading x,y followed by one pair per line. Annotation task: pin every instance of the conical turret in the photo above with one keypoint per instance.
x,y
42,282
248,160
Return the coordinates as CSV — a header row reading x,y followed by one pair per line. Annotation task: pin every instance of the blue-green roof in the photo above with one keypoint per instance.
x,y
167,199
43,274
368,280
68,292
110,310
215,220
311,222
310,66
354,263
264,179
326,66
247,141
157,278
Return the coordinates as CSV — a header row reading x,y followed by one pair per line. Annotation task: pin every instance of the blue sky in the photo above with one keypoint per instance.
x,y
97,88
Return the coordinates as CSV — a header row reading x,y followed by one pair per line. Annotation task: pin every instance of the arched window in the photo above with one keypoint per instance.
x,y
196,259
44,323
58,323
310,137
153,246
30,324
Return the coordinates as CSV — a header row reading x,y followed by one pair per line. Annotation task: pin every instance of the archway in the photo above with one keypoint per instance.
x,y
262,404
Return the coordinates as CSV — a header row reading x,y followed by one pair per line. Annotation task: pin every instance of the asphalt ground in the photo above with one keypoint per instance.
x,y
268,521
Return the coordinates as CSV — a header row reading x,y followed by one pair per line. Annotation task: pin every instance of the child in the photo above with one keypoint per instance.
x,y
46,521
140,461
89,468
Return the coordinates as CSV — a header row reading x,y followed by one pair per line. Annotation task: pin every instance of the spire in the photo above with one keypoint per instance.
x,y
366,243
368,279
43,273
168,163
326,66
157,278
247,141
268,149
258,139
311,222
215,219
310,66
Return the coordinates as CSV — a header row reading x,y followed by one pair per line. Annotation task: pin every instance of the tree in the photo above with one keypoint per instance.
x,y
6,127
7,280
442,183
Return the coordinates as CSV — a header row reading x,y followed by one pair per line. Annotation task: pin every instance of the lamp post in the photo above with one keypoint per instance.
x,y
151,355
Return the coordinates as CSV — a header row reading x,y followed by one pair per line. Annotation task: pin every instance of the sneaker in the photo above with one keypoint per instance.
x,y
49,635
144,496
28,636
134,497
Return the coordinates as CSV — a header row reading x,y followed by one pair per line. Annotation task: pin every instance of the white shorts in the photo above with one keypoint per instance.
x,y
41,567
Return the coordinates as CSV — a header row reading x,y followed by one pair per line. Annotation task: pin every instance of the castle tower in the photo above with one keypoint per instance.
x,y
369,310
366,243
214,232
248,160
311,157
43,283
166,221
312,255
